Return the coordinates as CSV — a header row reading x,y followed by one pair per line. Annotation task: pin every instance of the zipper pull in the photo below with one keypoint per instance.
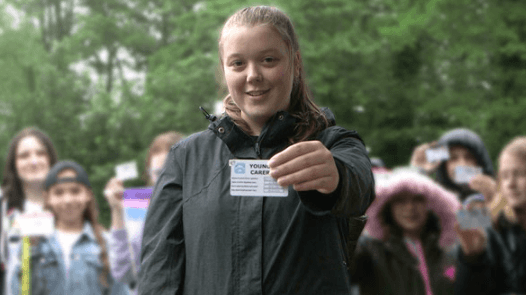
x,y
258,149
209,117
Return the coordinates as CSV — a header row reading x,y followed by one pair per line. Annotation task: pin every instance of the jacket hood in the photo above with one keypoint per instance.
x,y
442,203
470,140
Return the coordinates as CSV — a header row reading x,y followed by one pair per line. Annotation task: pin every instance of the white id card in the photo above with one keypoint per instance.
x,y
464,174
127,171
36,224
250,178
437,154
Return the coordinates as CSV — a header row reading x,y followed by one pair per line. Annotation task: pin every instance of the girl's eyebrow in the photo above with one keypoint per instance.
x,y
267,50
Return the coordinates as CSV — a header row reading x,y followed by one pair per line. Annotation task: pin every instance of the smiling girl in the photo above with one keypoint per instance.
x,y
200,239
410,231
494,261
30,155
74,260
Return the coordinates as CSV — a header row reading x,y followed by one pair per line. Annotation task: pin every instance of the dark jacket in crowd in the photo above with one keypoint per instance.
x,y
198,239
388,268
471,141
501,269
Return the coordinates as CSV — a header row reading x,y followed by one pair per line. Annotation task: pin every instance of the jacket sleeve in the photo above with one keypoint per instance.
x,y
120,257
473,275
355,191
163,245
479,274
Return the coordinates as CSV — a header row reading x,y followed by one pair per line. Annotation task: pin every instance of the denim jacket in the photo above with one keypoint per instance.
x,y
48,269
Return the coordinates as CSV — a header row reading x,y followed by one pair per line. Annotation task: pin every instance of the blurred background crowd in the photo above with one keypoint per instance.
x,y
103,78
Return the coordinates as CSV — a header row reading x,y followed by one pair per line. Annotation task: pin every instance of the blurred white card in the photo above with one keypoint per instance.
x,y
464,174
127,171
437,154
476,218
36,224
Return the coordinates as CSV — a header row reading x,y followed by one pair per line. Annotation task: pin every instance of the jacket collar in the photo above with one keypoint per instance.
x,y
87,233
274,135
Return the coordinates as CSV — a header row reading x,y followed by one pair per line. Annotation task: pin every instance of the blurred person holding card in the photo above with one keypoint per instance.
x,y
270,198
128,208
493,260
410,234
74,258
30,155
460,162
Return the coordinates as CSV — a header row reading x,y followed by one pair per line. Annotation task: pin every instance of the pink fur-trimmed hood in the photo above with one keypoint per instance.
x,y
443,203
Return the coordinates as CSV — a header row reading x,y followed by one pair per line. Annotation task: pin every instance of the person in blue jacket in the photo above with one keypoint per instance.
x,y
203,237
74,260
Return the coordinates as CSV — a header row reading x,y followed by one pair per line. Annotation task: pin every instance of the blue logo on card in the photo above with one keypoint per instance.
x,y
239,168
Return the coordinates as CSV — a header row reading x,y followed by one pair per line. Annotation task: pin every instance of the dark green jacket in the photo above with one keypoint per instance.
x,y
198,239
501,269
388,268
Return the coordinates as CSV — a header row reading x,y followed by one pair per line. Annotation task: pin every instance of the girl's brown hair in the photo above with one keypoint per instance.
x,y
11,184
160,144
310,119
91,214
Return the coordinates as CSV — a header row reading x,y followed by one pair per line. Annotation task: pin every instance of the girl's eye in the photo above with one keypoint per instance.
x,y
237,63
58,192
269,59
23,155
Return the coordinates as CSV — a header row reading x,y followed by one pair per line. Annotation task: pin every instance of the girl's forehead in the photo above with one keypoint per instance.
x,y
29,142
229,28
65,186
509,159
233,32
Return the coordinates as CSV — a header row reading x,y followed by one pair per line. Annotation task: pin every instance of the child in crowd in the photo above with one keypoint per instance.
x,y
493,261
465,148
410,232
29,158
74,260
125,242
202,238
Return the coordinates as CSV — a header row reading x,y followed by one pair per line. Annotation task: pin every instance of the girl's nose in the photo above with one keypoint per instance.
x,y
254,74
34,159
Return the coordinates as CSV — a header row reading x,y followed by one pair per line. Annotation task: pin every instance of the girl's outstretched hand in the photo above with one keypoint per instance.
x,y
484,184
113,192
306,165
419,160
472,241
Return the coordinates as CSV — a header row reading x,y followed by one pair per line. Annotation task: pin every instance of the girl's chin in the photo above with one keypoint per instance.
x,y
34,180
70,217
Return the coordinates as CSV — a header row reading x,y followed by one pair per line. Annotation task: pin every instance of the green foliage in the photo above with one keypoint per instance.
x,y
400,72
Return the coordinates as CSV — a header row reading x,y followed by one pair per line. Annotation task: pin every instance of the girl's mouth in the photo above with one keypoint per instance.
x,y
257,93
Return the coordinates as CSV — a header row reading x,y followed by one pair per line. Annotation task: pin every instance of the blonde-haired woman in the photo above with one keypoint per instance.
x,y
494,261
